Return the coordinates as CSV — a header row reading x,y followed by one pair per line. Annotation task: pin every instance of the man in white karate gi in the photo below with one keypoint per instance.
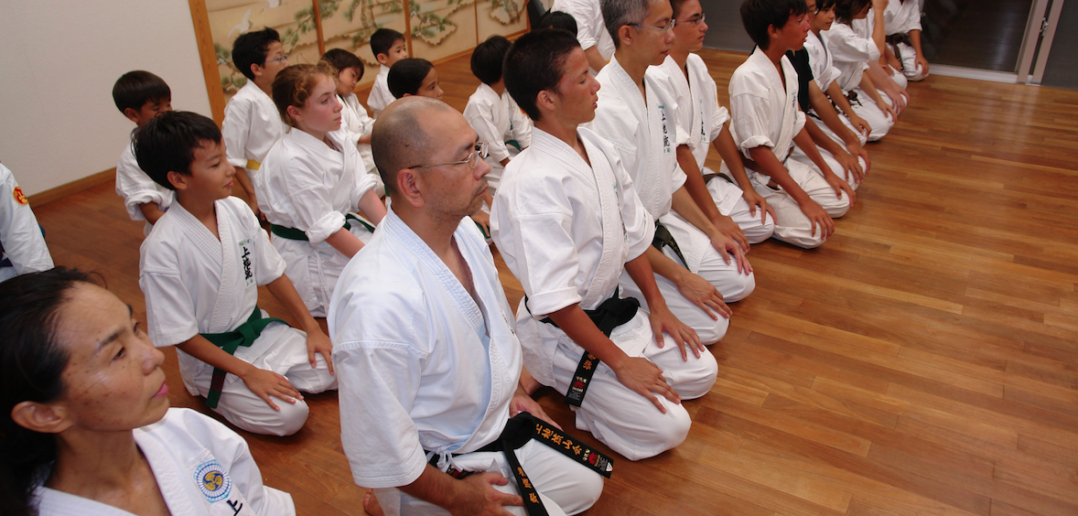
x,y
767,123
568,222
591,31
698,267
425,346
22,246
727,198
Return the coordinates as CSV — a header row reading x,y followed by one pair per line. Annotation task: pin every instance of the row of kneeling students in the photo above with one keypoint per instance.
x,y
581,156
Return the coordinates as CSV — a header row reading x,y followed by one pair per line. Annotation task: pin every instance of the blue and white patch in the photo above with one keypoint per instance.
x,y
212,480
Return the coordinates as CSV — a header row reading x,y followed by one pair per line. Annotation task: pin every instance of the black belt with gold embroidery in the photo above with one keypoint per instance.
x,y
521,429
610,314
663,238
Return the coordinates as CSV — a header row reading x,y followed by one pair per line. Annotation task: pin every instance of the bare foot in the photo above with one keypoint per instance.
x,y
370,504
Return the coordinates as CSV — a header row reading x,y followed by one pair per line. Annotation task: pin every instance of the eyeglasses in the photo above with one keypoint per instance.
x,y
480,151
695,20
284,57
665,28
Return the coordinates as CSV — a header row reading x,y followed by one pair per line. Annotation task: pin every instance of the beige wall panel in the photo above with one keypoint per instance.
x,y
441,28
348,24
502,17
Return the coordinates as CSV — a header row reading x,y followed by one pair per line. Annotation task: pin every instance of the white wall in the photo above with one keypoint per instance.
x,y
58,62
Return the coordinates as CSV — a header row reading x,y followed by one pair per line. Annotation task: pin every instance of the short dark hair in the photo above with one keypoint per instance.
x,y
845,10
758,15
134,89
406,76
823,5
558,20
399,138
167,144
32,361
487,59
250,49
536,62
342,59
383,39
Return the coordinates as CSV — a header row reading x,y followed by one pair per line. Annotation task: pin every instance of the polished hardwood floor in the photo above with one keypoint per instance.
x,y
923,362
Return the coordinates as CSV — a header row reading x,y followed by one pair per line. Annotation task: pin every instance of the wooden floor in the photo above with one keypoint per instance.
x,y
924,361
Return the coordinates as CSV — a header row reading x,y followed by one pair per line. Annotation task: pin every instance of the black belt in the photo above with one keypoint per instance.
x,y
610,314
895,39
518,431
297,234
663,238
852,97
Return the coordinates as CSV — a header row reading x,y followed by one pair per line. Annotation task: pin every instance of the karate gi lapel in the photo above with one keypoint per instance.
x,y
217,256
612,260
787,91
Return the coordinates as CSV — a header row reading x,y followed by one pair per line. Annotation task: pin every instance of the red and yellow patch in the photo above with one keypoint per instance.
x,y
19,196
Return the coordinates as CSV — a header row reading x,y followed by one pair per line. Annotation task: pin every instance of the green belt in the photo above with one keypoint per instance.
x,y
230,341
295,234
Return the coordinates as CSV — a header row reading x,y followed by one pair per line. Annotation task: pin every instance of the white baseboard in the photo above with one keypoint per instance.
x,y
973,73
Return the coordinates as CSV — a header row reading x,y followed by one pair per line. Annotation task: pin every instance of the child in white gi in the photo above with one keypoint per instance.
x,y
200,270
355,122
728,200
568,222
414,76
902,26
591,31
851,53
251,124
388,47
312,181
767,122
86,421
22,246
494,115
638,114
140,96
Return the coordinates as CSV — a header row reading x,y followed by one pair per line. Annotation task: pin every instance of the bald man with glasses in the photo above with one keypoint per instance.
x,y
433,415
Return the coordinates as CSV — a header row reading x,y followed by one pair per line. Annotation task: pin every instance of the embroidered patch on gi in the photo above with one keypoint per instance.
x,y
245,257
212,480
19,196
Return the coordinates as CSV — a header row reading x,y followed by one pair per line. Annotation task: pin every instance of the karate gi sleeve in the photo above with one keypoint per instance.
x,y
235,130
379,382
170,309
234,456
719,116
587,24
522,125
20,234
531,223
480,115
751,120
848,47
309,202
136,187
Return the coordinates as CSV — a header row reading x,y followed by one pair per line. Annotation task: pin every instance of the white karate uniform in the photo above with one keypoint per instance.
x,y
252,125
310,187
851,53
136,187
565,230
355,122
700,116
646,136
900,17
20,236
824,73
201,467
863,28
426,367
195,283
765,113
590,28
380,96
497,119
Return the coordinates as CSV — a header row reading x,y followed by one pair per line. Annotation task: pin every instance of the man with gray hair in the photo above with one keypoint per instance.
x,y
698,268
433,415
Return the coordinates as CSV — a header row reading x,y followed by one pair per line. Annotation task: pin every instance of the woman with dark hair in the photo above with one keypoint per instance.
x,y
87,427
